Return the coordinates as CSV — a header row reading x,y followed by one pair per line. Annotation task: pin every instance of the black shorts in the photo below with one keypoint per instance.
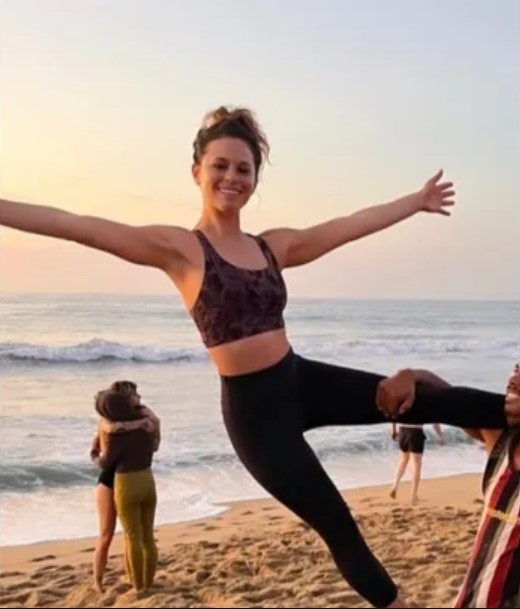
x,y
411,440
106,477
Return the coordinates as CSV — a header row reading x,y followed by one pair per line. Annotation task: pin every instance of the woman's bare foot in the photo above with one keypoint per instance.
x,y
98,586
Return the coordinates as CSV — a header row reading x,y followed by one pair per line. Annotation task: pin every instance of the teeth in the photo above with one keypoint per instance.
x,y
229,191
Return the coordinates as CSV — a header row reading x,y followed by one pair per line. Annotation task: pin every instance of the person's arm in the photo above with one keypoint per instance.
x,y
488,437
393,432
149,413
438,430
156,246
295,247
429,379
396,394
95,447
157,436
112,452
149,423
116,427
475,434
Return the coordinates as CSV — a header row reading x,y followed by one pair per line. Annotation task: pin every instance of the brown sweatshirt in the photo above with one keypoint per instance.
x,y
131,451
109,451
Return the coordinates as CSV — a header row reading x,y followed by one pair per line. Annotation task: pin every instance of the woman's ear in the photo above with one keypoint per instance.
x,y
195,172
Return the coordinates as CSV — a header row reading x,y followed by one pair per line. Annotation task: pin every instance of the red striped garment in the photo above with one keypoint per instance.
x,y
493,576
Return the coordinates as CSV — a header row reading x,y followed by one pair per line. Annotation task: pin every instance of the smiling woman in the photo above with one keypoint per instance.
x,y
238,124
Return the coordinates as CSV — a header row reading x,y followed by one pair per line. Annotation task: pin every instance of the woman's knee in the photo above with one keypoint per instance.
x,y
105,537
417,459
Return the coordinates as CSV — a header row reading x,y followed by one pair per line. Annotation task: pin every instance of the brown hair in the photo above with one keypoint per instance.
x,y
236,122
115,407
127,388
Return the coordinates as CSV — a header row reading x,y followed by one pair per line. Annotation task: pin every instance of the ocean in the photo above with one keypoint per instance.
x,y
57,351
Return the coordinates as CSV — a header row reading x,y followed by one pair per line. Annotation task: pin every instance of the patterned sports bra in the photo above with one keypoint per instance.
x,y
233,302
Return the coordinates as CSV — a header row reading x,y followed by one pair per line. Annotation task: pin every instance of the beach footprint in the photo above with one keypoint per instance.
x,y
43,558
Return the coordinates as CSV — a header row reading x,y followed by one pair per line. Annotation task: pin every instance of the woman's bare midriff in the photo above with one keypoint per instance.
x,y
250,354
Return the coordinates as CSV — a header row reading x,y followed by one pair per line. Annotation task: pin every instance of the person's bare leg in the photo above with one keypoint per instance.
x,y
416,475
107,523
401,469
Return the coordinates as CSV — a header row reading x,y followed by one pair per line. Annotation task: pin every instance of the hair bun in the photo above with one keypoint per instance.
x,y
217,116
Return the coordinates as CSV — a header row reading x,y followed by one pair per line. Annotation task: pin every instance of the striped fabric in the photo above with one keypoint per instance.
x,y
493,577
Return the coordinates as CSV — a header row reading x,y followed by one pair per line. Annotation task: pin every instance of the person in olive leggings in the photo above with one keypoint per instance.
x,y
105,504
131,454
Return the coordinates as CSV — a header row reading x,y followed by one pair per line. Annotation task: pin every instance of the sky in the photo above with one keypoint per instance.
x,y
361,100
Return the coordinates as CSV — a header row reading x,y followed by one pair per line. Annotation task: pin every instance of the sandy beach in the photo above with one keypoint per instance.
x,y
257,554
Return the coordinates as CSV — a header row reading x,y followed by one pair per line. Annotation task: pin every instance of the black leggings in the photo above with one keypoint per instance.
x,y
266,414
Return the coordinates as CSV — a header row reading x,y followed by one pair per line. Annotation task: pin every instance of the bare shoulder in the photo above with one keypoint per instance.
x,y
178,243
279,241
173,237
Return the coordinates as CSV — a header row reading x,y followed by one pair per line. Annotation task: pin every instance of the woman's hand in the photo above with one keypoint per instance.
x,y
436,196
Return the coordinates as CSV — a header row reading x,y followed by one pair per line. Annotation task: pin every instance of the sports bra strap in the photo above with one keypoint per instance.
x,y
209,250
267,251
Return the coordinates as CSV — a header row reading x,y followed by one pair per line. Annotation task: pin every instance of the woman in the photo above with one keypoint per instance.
x,y
105,503
130,454
232,285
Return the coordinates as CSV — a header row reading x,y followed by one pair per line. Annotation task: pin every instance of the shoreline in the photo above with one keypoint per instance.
x,y
351,495
257,553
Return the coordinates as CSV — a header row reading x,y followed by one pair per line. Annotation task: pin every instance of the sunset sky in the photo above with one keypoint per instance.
x,y
362,101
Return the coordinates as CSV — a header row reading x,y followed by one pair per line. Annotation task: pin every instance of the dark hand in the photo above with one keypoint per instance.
x,y
396,394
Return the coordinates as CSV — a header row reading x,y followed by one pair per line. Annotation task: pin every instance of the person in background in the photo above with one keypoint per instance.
x,y
412,440
105,504
130,454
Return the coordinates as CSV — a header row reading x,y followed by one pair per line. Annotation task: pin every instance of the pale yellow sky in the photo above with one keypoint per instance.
x,y
101,102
